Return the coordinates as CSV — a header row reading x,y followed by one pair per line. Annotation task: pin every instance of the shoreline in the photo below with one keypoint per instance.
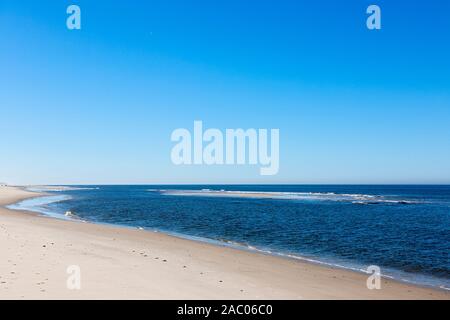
x,y
428,281
246,274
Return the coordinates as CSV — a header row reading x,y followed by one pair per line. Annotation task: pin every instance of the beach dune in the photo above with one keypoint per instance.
x,y
119,263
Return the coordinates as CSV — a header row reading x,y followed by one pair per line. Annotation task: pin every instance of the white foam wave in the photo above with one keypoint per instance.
x,y
305,196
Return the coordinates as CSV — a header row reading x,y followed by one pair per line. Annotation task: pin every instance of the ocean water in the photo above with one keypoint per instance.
x,y
405,230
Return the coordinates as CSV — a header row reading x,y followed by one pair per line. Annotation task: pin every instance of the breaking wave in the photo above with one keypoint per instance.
x,y
362,199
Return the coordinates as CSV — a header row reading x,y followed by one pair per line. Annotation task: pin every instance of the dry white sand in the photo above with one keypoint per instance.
x,y
119,263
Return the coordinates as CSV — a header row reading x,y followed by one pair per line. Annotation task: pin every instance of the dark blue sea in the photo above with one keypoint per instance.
x,y
405,230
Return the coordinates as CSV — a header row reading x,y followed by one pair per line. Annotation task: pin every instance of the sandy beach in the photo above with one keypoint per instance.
x,y
120,263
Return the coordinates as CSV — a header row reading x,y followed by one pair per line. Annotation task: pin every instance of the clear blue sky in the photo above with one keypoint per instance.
x,y
98,105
